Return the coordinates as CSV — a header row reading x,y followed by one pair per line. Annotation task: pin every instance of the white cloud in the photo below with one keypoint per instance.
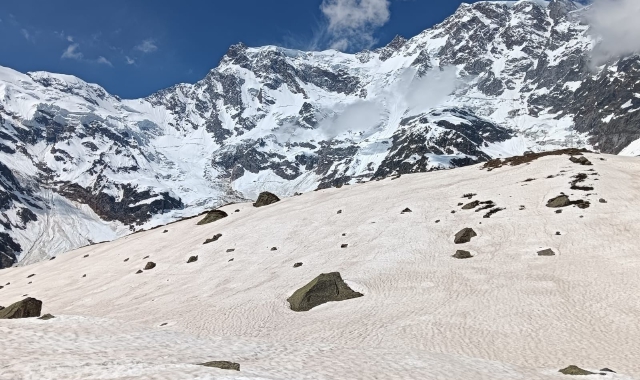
x,y
130,61
351,23
70,38
71,52
102,60
147,46
26,35
615,23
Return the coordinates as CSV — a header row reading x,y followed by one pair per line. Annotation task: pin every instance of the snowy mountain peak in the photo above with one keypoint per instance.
x,y
492,80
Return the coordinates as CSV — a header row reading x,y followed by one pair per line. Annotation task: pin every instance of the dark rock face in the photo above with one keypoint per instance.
x,y
213,216
559,201
406,210
214,238
223,365
266,198
464,236
327,287
150,265
192,259
471,205
26,308
460,254
582,160
575,370
546,252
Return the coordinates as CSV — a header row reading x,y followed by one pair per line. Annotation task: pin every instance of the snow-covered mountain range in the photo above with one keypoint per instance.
x,y
79,166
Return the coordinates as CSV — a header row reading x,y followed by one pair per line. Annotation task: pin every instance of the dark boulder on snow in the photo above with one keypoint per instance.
x,y
464,236
471,205
26,308
575,370
212,216
266,198
602,200
139,271
327,287
192,259
223,365
214,238
460,254
150,265
546,252
297,265
582,160
559,201
406,210
46,317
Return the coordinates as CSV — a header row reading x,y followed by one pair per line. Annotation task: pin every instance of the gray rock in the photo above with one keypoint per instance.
x,y
46,317
26,308
575,370
213,216
297,265
327,287
460,254
214,238
471,205
222,365
546,252
464,236
266,198
150,265
559,201
192,259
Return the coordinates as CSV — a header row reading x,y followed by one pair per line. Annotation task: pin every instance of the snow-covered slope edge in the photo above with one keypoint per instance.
x,y
81,166
506,313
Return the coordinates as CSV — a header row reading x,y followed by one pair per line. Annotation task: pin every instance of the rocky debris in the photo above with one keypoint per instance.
x,y
472,205
26,308
274,248
84,275
46,317
213,216
214,238
559,201
339,212
602,200
558,211
564,201
139,271
192,259
165,231
582,160
453,211
230,260
464,236
406,210
579,178
230,250
558,233
529,180
266,198
575,370
487,205
150,265
85,256
146,257
237,210
327,287
52,258
522,208
2,307
460,204
222,365
344,245
127,259
297,265
31,275
438,221
460,254
605,369
529,157
546,252
469,195
493,211
163,324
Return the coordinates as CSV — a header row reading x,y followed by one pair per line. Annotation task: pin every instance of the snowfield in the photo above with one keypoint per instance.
x,y
506,313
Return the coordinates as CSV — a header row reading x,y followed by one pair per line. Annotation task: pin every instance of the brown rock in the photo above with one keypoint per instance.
x,y
26,308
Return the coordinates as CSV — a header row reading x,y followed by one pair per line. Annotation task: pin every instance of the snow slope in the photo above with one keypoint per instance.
x,y
504,314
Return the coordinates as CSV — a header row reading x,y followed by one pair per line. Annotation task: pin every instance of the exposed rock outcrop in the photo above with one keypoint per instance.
x,y
213,216
266,198
327,287
464,236
26,308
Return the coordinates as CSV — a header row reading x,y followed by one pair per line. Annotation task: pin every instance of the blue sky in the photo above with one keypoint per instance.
x,y
136,47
